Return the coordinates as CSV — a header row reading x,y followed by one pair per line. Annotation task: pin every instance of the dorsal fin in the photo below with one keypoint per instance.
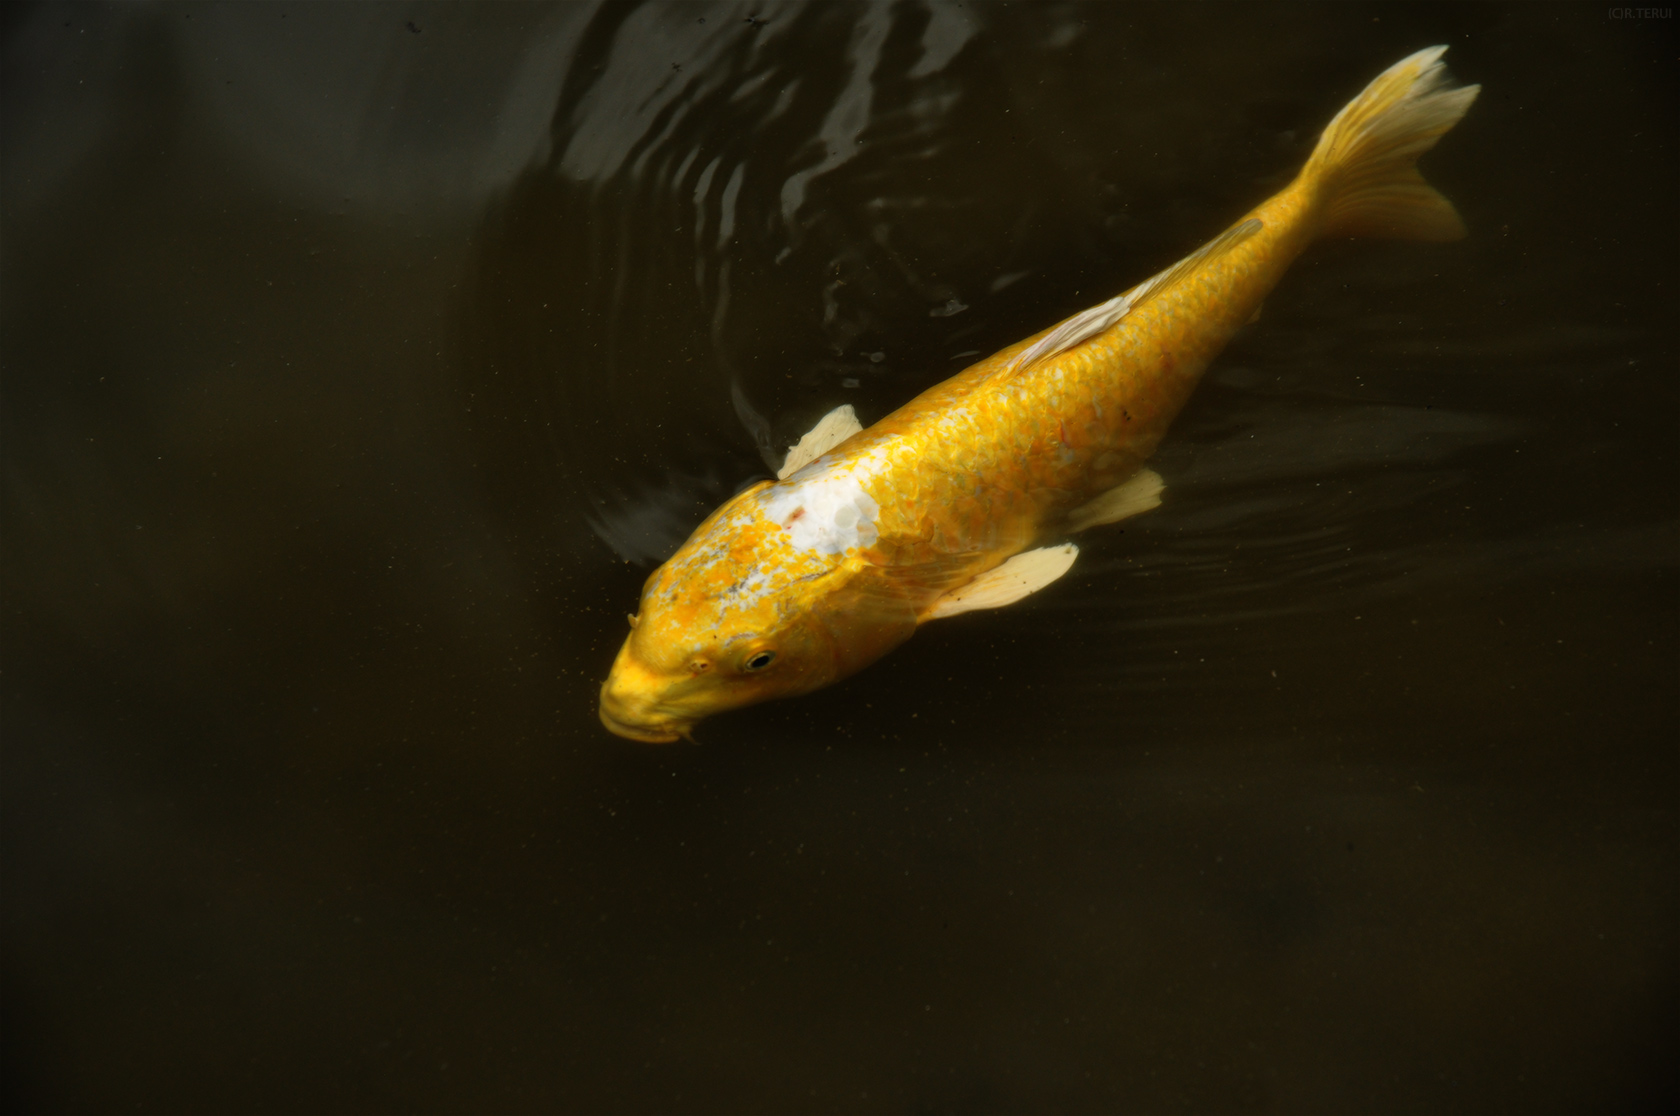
x,y
1081,327
832,429
1088,323
1157,285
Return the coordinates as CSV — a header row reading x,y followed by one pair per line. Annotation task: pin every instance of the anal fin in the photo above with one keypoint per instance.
x,y
832,429
1021,575
1138,494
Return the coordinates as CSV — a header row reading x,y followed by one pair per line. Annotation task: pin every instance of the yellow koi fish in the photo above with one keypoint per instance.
x,y
947,504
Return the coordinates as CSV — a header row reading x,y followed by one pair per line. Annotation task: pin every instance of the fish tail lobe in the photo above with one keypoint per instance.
x,y
1365,164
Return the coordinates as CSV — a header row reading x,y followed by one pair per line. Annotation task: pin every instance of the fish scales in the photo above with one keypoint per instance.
x,y
1012,468
946,504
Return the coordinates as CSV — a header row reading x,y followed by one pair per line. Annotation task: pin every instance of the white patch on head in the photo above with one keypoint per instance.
x,y
824,508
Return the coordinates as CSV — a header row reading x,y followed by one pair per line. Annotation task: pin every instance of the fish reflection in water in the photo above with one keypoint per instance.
x,y
961,499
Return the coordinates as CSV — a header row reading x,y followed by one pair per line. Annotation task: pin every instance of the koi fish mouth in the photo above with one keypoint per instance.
x,y
659,733
630,705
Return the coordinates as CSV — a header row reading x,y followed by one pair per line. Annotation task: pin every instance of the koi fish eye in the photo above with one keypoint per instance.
x,y
760,660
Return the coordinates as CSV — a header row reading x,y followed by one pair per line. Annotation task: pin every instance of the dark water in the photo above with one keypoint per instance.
x,y
359,360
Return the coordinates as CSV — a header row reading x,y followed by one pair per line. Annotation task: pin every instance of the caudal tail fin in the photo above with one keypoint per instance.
x,y
1365,162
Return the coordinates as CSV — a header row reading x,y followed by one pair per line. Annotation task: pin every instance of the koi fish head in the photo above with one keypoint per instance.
x,y
753,607
666,680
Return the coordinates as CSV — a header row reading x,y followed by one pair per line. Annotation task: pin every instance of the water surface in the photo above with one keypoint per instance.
x,y
359,362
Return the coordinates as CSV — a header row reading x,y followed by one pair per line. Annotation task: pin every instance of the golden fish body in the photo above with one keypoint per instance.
x,y
945,505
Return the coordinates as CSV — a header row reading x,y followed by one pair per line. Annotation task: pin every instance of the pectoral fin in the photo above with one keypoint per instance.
x,y
1140,493
832,429
1008,583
